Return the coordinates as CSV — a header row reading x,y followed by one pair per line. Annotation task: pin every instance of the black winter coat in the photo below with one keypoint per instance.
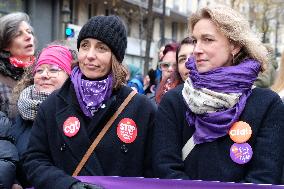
x,y
21,131
52,156
8,154
211,161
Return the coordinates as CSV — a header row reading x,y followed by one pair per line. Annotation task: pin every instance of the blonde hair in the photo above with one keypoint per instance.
x,y
279,81
236,28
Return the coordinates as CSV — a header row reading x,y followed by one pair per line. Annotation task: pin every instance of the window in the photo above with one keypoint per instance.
x,y
10,6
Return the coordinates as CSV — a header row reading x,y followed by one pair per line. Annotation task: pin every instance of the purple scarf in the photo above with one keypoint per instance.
x,y
231,79
90,94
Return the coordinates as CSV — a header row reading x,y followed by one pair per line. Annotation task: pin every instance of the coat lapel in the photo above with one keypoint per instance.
x,y
79,143
103,115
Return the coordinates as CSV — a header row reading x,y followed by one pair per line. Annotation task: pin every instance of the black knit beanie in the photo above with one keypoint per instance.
x,y
108,29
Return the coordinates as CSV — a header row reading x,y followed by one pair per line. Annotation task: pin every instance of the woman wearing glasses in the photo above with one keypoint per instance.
x,y
179,73
52,68
168,66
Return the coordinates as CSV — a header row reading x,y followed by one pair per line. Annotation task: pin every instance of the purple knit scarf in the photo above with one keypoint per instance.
x,y
90,94
231,79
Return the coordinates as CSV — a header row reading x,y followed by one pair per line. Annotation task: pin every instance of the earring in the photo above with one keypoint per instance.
x,y
233,58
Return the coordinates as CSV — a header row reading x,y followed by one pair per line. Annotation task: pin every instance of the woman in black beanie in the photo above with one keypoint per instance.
x,y
72,118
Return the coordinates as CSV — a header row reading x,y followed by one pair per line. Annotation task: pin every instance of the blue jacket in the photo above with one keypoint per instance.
x,y
211,161
52,156
137,82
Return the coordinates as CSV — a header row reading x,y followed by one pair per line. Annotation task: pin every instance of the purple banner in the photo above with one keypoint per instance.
x,y
110,182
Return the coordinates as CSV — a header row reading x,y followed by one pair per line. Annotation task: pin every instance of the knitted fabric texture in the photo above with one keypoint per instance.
x,y
29,101
108,29
56,55
236,28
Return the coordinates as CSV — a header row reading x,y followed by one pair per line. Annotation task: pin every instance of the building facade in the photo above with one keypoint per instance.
x,y
134,14
50,18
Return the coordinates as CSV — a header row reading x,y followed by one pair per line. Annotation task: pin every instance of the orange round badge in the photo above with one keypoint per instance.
x,y
240,132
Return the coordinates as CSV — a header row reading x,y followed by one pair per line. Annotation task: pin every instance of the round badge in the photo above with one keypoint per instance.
x,y
241,153
71,126
240,132
126,130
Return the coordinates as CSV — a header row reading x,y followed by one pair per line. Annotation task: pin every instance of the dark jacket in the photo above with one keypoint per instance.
x,y
9,75
21,131
211,161
8,154
52,156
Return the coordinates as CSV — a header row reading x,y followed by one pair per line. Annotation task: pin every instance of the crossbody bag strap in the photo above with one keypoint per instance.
x,y
102,133
187,148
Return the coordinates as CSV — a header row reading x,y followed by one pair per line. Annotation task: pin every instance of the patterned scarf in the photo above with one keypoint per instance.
x,y
20,64
216,99
7,69
90,94
29,101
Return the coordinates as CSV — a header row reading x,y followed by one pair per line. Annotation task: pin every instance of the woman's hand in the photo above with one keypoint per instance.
x,y
84,185
16,186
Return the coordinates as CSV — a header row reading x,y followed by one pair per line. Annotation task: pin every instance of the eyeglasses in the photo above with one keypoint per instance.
x,y
50,71
166,65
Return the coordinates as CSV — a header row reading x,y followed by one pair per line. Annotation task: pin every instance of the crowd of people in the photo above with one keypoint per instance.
x,y
205,113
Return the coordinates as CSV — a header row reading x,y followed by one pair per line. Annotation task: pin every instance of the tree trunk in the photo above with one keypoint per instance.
x,y
149,35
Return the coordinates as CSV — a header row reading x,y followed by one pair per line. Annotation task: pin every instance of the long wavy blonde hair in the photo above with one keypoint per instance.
x,y
279,81
236,28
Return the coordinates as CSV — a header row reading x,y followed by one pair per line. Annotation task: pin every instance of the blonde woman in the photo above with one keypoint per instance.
x,y
217,126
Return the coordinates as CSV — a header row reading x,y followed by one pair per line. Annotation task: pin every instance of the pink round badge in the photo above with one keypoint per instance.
x,y
241,153
71,126
126,130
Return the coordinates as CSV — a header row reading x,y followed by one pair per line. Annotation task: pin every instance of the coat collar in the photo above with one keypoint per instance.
x,y
79,143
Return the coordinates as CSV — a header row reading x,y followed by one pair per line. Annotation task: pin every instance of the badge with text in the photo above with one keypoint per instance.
x,y
241,153
71,126
127,130
240,132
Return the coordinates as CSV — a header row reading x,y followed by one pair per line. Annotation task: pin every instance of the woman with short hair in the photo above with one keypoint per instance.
x,y
17,48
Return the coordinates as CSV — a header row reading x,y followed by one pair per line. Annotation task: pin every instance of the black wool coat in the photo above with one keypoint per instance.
x,y
21,131
52,156
8,153
211,161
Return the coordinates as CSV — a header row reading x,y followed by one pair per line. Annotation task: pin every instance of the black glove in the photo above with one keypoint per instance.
x,y
84,185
